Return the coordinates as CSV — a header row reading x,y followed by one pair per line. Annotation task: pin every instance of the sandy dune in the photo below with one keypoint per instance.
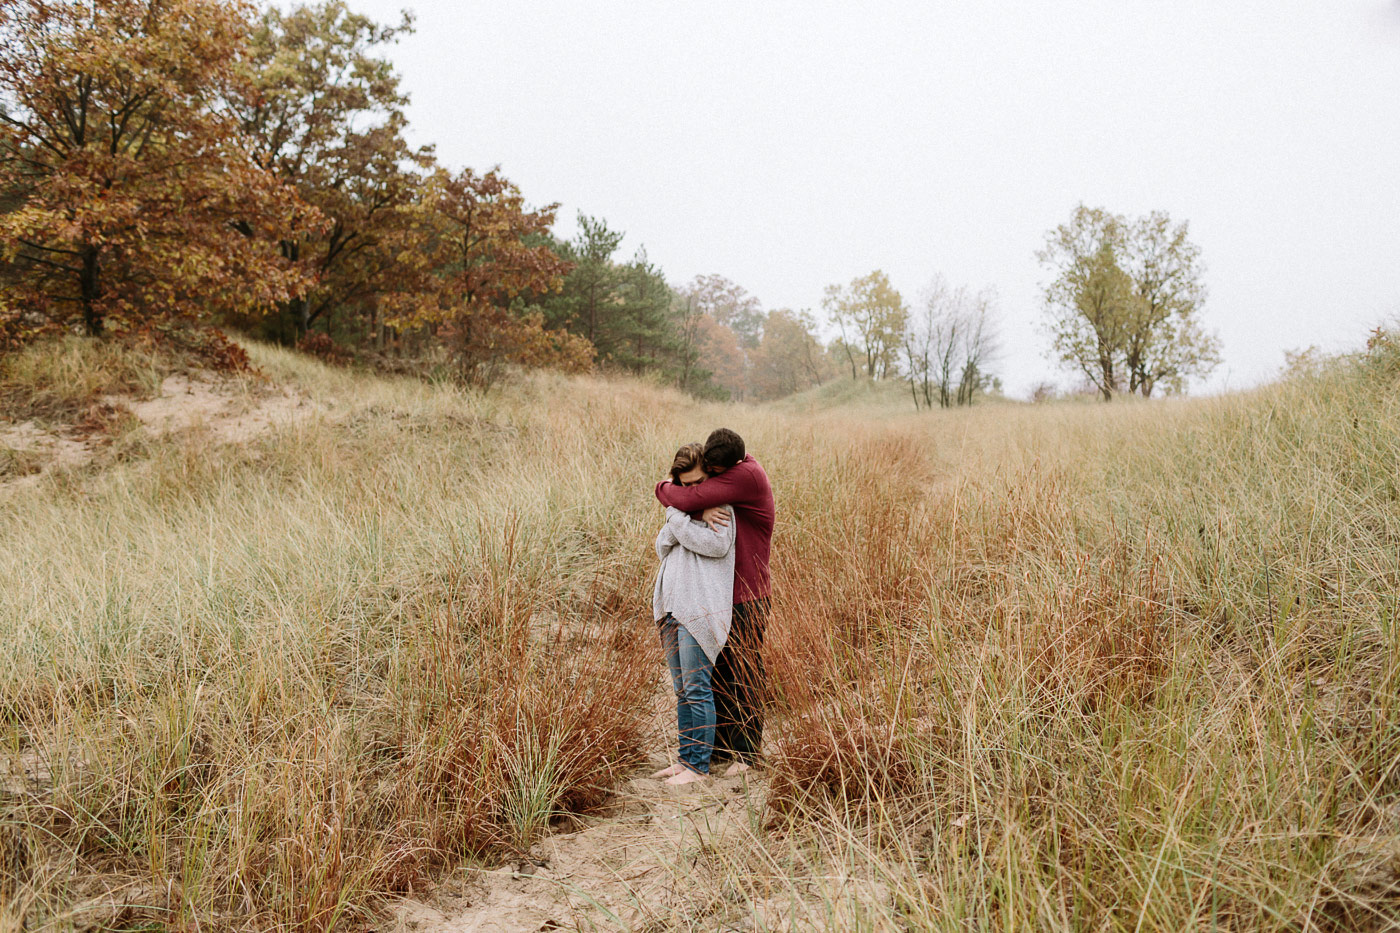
x,y
228,410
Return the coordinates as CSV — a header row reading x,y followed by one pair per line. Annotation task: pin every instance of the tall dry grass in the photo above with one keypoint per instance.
x,y
262,686
1131,667
1127,668
58,380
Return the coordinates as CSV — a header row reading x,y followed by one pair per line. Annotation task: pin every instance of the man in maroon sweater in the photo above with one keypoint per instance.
x,y
736,480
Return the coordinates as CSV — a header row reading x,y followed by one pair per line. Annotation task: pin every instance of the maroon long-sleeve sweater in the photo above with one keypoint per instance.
x,y
745,487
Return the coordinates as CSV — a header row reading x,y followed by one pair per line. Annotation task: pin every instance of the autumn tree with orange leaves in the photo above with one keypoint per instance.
x,y
127,194
492,257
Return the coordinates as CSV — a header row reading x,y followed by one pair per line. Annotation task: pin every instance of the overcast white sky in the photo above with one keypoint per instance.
x,y
788,145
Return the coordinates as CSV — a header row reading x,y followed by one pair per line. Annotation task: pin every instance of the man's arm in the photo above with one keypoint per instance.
x,y
699,538
731,486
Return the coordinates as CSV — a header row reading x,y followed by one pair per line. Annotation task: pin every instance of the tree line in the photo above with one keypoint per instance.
x,y
1122,311
169,164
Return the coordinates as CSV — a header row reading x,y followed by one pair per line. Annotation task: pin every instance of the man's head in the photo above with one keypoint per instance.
x,y
723,449
689,466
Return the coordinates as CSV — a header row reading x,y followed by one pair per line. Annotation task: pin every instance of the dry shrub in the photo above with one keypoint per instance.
x,y
852,553
997,521
1073,613
854,758
309,836
488,340
321,346
213,349
933,592
845,604
105,420
190,347
501,732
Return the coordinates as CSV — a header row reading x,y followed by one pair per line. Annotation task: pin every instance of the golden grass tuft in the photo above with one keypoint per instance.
x,y
61,380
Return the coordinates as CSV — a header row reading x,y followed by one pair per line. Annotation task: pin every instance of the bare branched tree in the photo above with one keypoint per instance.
x,y
949,343
978,343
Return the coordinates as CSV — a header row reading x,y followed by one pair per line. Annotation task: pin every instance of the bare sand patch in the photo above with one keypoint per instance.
x,y
231,411
50,448
230,414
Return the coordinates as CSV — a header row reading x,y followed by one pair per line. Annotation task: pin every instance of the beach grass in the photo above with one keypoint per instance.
x,y
1075,667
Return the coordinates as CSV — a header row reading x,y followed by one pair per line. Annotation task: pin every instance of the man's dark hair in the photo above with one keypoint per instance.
x,y
723,449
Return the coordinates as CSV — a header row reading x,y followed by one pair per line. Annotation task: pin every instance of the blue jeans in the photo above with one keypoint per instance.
x,y
695,702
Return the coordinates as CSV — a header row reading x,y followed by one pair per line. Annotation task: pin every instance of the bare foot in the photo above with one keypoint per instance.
x,y
686,776
738,767
672,771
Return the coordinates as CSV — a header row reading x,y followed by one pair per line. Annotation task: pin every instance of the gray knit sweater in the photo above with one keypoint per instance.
x,y
696,581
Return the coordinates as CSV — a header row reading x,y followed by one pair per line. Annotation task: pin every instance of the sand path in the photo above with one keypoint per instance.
x,y
654,859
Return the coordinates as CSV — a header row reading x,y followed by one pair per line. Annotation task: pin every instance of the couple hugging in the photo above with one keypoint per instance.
x,y
711,602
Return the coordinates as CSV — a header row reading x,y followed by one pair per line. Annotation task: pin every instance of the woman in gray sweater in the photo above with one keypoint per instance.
x,y
693,603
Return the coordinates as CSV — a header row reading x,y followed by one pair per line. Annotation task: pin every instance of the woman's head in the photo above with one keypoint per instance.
x,y
689,466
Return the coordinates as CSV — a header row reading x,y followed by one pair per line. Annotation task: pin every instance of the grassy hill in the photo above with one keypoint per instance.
x,y
1124,667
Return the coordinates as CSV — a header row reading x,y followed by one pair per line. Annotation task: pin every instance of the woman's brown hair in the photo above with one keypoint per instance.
x,y
688,458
